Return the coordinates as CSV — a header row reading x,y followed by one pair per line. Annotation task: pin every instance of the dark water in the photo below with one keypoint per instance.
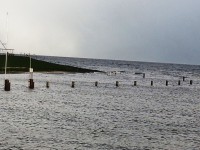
x,y
104,117
127,66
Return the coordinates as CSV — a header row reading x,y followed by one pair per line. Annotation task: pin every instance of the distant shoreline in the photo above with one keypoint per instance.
x,y
19,64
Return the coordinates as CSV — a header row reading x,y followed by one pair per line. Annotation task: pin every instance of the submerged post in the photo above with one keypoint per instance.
x,y
151,83
166,82
47,84
135,83
96,83
143,75
117,83
73,84
7,85
7,82
179,82
191,82
31,82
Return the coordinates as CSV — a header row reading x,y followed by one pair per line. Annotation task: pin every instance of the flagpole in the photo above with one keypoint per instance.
x,y
6,64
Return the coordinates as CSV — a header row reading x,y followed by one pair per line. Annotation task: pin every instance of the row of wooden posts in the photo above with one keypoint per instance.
x,y
117,83
135,83
31,84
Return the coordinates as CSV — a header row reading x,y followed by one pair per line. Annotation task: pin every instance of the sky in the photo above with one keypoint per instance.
x,y
135,30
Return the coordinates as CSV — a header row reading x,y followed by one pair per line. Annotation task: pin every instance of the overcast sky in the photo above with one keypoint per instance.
x,y
138,30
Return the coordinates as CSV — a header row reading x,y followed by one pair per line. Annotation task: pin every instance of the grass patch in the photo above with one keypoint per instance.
x,y
22,63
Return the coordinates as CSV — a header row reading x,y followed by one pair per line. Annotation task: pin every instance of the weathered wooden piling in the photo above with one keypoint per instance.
x,y
151,83
167,82
96,83
135,83
7,82
7,85
143,75
117,83
73,84
191,82
47,84
179,82
31,84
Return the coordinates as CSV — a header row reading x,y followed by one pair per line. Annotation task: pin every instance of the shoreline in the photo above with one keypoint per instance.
x,y
22,64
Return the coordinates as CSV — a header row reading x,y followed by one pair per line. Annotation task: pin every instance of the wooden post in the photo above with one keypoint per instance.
x,y
179,82
191,82
143,75
96,83
135,83
151,83
117,83
47,84
73,84
184,78
31,84
166,83
7,85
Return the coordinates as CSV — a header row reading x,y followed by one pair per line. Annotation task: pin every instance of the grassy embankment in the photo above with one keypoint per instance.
x,y
17,64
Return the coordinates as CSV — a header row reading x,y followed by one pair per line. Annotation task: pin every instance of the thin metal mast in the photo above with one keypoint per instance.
x,y
6,57
6,29
3,44
6,63
30,60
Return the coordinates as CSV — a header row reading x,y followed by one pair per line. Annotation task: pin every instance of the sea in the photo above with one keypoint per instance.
x,y
147,110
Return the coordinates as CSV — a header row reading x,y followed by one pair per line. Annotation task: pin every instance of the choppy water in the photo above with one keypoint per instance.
x,y
104,117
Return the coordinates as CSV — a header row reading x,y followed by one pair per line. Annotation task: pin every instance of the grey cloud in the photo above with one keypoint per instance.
x,y
164,31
